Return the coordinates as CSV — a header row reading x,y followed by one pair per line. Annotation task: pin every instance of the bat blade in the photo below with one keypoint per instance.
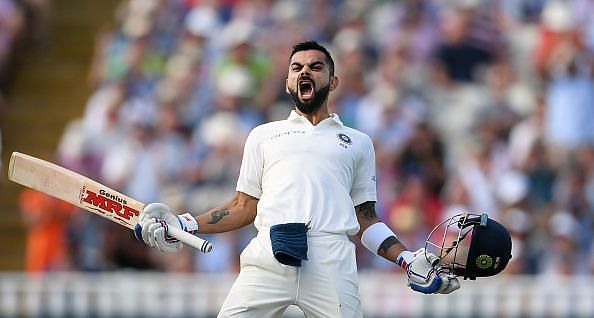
x,y
86,193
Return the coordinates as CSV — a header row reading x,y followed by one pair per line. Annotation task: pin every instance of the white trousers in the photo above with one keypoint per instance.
x,y
326,285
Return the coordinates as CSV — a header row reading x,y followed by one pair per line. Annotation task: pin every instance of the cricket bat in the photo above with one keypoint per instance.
x,y
87,194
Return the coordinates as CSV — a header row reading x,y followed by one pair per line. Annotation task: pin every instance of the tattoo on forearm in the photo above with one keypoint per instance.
x,y
367,210
216,216
386,244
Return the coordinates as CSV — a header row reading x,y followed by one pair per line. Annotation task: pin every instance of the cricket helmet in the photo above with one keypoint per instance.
x,y
470,245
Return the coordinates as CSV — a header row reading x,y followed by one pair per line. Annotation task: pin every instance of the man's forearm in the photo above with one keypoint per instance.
x,y
391,248
221,219
237,213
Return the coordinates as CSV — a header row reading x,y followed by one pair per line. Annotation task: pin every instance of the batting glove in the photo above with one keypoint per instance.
x,y
154,222
424,274
449,282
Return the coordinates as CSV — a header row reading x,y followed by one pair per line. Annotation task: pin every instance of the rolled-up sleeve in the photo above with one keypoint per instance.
x,y
252,164
364,179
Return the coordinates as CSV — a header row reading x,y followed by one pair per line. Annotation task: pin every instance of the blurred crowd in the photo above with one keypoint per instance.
x,y
12,27
21,22
482,106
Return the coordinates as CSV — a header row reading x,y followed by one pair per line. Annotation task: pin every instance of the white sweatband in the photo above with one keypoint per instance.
x,y
188,223
375,235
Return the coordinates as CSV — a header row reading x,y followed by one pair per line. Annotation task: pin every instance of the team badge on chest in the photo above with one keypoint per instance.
x,y
345,140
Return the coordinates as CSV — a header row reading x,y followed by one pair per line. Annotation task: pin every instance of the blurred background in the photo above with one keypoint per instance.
x,y
484,106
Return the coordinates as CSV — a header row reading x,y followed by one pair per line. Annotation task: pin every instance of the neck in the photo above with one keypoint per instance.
x,y
317,116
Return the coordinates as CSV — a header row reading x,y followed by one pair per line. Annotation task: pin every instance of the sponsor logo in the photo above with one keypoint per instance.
x,y
108,203
484,261
288,133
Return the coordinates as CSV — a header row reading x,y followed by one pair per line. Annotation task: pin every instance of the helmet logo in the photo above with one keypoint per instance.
x,y
484,261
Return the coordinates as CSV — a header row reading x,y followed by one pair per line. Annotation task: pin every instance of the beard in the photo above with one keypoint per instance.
x,y
313,104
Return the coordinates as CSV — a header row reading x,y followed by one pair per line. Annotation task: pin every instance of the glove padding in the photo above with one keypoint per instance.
x,y
152,227
449,282
424,274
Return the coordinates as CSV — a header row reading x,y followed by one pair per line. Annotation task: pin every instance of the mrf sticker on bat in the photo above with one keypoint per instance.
x,y
109,204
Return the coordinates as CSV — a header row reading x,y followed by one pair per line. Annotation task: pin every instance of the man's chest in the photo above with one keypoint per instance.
x,y
302,147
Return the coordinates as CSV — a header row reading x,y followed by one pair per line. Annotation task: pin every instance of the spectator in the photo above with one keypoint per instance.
x,y
569,100
12,29
565,259
457,57
46,220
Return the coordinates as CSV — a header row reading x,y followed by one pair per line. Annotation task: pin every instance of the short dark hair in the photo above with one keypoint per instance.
x,y
313,45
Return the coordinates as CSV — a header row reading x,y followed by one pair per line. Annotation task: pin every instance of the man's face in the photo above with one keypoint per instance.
x,y
309,81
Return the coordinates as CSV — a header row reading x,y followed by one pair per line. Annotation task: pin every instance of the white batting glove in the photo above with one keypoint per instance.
x,y
449,282
424,274
153,223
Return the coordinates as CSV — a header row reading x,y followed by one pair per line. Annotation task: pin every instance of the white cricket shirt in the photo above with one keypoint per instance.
x,y
306,173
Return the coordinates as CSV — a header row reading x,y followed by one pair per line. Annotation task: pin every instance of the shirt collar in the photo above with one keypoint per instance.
x,y
294,116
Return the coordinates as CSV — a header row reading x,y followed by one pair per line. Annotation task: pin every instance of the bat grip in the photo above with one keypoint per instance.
x,y
192,240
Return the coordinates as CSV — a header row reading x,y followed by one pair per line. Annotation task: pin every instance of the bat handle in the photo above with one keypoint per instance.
x,y
192,240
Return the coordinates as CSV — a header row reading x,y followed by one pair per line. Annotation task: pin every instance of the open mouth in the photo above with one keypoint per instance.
x,y
306,89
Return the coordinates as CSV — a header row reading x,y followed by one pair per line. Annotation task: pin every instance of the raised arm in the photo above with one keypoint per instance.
x,y
421,266
390,247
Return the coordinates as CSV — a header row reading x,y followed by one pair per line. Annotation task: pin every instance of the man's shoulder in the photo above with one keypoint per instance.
x,y
267,128
271,125
357,134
